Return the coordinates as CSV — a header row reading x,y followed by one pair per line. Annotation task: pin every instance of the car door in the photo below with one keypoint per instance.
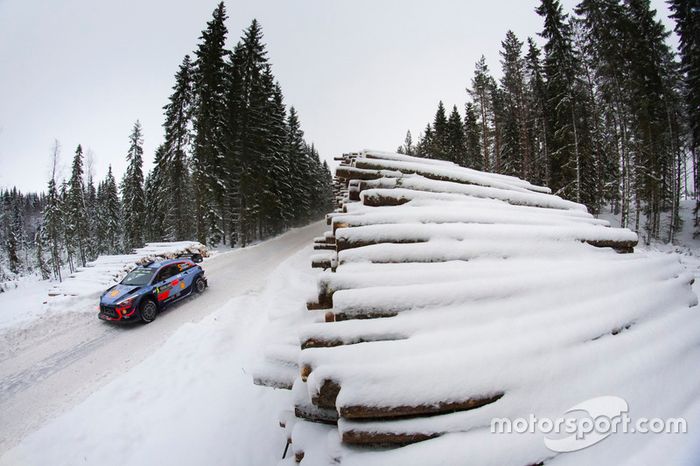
x,y
178,281
164,290
186,276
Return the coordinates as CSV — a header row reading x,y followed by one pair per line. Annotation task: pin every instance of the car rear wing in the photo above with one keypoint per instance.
x,y
194,256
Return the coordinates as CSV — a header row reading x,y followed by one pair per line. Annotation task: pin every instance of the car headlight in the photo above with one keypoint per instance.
x,y
125,302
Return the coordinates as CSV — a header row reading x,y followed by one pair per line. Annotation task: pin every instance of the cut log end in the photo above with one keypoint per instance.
x,y
305,372
325,398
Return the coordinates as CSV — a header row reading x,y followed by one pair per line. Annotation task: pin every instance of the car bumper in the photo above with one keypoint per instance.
x,y
112,314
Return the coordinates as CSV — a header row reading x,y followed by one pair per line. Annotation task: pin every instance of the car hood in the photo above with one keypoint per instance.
x,y
118,293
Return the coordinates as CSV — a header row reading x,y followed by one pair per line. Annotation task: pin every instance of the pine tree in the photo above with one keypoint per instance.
x,y
481,93
686,13
408,144
537,125
76,229
112,214
300,167
208,166
133,196
92,216
10,233
472,138
438,148
650,62
425,142
516,152
177,212
455,150
158,201
571,162
256,121
53,219
605,40
17,226
42,265
326,191
281,189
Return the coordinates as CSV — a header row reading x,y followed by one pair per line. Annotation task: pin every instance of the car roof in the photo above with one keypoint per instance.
x,y
157,265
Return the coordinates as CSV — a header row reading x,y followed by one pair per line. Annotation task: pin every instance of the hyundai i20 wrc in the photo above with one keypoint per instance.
x,y
150,288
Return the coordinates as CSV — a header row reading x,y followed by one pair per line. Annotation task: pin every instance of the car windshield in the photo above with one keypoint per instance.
x,y
138,277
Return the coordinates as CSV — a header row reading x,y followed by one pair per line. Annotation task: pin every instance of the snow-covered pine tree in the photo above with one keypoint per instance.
x,y
262,149
326,203
456,143
158,200
425,141
282,192
407,147
11,243
515,154
686,14
18,208
208,167
112,214
179,214
250,114
132,189
472,138
76,227
233,123
571,163
537,125
438,148
481,93
300,167
604,38
52,218
320,182
651,90
92,248
53,228
39,247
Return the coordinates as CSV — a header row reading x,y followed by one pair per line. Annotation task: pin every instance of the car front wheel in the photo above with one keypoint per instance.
x,y
200,285
149,311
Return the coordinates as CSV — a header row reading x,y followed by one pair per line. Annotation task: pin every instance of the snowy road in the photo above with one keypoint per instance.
x,y
55,364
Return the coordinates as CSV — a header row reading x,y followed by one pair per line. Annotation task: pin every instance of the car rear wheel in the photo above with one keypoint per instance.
x,y
149,311
200,285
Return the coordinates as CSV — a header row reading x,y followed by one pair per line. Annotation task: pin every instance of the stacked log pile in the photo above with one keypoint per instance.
x,y
448,297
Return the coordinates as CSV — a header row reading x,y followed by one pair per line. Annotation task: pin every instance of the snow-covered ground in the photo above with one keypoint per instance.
x,y
685,244
74,390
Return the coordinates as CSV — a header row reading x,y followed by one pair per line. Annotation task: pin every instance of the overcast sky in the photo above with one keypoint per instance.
x,y
359,72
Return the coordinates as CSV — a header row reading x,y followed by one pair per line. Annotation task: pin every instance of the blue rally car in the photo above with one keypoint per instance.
x,y
149,288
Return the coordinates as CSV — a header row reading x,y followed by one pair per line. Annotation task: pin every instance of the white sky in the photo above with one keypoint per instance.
x,y
360,72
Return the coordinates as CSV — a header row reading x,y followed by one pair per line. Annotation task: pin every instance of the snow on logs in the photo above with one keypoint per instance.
x,y
449,297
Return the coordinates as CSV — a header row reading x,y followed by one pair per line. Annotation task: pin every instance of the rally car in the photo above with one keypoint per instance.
x,y
149,288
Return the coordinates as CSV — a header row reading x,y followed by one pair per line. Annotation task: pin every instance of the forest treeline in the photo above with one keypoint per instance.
x,y
234,168
605,113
